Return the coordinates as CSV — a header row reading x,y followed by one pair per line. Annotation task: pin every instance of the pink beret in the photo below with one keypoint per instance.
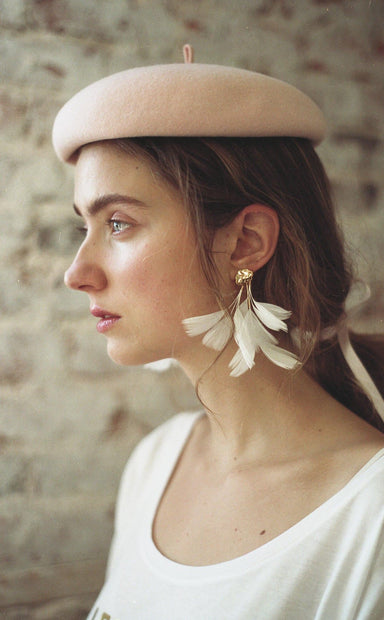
x,y
185,100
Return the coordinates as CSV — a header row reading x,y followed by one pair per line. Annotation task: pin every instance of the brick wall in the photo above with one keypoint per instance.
x,y
68,416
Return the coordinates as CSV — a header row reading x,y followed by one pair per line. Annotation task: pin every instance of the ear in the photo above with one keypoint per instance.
x,y
256,231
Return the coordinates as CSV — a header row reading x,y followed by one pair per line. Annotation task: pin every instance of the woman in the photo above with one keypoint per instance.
x,y
223,253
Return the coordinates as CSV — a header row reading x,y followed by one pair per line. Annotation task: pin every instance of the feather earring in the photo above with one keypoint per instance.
x,y
247,321
251,320
217,327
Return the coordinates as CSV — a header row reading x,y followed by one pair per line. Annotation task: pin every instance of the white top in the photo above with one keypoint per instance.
x,y
329,566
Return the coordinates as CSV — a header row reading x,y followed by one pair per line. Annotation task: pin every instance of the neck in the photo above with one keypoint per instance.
x,y
266,411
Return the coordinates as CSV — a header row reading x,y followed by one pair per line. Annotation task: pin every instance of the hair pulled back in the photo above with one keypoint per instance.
x,y
308,274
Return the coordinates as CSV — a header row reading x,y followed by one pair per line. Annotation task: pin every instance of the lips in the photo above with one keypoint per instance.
x,y
107,319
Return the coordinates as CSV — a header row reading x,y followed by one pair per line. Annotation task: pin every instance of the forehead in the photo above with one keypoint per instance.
x,y
102,168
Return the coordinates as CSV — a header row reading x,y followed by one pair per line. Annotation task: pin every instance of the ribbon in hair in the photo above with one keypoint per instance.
x,y
358,369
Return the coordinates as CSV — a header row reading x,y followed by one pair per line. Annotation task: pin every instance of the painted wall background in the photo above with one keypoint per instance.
x,y
69,417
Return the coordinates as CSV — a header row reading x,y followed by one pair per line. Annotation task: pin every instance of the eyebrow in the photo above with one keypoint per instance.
x,y
103,201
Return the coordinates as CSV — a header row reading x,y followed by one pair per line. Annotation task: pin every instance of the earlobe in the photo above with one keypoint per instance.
x,y
257,229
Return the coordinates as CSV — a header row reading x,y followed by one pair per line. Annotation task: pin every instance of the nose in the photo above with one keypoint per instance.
x,y
85,273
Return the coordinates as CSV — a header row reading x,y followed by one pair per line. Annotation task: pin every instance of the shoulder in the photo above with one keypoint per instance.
x,y
370,478
362,498
176,429
160,446
150,461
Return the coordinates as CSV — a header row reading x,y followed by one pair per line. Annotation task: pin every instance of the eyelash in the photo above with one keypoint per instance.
x,y
110,223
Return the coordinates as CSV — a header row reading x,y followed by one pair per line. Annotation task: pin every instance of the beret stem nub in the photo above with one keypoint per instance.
x,y
188,53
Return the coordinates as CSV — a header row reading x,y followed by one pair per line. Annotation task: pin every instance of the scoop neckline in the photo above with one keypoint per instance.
x,y
170,569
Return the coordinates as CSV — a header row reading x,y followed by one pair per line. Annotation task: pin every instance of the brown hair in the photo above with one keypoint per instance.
x,y
309,273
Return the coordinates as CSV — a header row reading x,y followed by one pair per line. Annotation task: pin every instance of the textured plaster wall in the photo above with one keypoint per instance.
x,y
68,417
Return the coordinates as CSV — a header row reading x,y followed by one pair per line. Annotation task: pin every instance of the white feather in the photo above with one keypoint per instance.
x,y
249,328
278,311
251,335
246,337
217,337
197,325
279,356
272,316
217,325
261,332
237,364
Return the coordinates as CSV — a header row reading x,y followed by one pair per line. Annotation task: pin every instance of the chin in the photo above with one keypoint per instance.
x,y
123,357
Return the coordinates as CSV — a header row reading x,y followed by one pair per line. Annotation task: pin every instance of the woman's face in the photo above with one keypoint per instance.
x,y
138,262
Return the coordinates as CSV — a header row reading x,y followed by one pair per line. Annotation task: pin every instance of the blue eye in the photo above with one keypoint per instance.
x,y
117,226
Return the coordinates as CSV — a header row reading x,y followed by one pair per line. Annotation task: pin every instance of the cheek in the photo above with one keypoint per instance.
x,y
163,278
150,278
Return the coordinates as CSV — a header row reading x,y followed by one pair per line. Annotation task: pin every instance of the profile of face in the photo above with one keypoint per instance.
x,y
138,262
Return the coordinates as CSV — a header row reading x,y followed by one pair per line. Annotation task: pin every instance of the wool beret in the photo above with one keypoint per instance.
x,y
185,99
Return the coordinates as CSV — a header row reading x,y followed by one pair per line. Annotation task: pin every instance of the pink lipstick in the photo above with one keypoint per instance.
x,y
107,319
